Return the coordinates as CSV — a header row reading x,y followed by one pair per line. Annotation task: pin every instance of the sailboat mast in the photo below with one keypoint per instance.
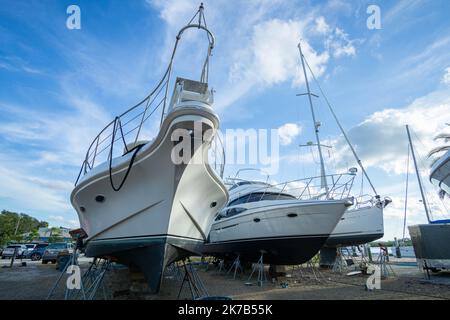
x,y
316,125
418,175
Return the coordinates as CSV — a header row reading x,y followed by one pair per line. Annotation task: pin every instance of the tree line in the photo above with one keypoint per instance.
x,y
14,225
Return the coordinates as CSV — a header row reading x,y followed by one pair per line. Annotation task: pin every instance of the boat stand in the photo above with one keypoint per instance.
x,y
209,261
90,282
340,263
309,271
383,264
314,270
195,284
259,267
236,266
221,266
174,271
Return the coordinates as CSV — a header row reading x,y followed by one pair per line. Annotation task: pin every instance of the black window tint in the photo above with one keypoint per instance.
x,y
234,211
258,196
239,184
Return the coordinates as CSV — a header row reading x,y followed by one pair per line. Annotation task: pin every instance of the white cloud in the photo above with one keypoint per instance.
x,y
256,50
288,132
62,138
28,192
322,26
339,44
446,77
60,221
381,140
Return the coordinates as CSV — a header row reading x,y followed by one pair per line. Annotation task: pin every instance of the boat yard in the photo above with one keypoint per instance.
x,y
168,207
34,281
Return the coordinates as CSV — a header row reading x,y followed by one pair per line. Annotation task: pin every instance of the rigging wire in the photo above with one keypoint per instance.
x,y
342,130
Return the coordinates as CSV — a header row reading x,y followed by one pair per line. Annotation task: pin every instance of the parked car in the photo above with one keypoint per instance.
x,y
8,252
37,253
30,247
52,250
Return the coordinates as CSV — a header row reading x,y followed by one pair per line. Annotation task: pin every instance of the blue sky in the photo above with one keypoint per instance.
x,y
59,87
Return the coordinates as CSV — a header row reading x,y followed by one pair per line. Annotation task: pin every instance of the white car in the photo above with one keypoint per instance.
x,y
8,252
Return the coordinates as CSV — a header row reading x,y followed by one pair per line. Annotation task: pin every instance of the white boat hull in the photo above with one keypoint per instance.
x,y
358,226
286,231
163,212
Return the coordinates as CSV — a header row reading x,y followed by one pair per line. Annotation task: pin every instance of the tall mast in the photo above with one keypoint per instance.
x,y
418,175
316,124
358,160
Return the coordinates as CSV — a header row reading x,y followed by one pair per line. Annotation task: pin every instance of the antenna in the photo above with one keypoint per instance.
x,y
418,175
316,124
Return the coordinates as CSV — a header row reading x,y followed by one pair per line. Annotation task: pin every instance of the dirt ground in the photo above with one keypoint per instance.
x,y
35,280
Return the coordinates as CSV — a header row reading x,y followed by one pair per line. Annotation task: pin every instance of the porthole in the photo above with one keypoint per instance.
x,y
257,219
100,198
292,215
213,204
82,209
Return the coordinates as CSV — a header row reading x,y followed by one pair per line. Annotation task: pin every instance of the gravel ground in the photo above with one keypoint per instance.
x,y
35,280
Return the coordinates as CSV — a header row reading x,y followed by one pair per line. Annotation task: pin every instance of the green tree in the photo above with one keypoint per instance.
x,y
33,236
55,235
13,225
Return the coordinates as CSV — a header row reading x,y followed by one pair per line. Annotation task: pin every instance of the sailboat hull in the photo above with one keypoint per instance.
x,y
358,226
158,216
430,242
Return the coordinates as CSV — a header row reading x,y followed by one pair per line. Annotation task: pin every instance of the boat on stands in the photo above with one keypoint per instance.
x,y
149,202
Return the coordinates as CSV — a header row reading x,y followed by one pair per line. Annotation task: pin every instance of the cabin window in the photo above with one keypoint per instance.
x,y
230,212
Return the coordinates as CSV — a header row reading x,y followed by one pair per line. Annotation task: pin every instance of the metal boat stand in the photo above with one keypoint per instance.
x,y
340,263
259,267
221,266
90,282
383,264
236,266
308,271
195,284
312,267
173,270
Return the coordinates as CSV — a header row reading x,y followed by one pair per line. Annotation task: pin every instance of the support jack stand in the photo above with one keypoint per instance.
x,y
383,263
195,284
340,263
90,282
236,266
259,267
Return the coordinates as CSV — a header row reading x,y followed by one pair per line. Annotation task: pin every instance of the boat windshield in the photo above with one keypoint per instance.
x,y
241,183
259,196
